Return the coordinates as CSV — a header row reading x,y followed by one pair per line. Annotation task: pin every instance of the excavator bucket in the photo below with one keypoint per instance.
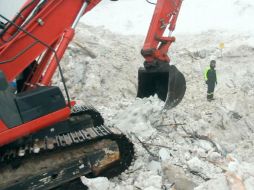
x,y
168,83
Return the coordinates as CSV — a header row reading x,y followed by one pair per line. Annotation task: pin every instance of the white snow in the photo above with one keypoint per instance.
x,y
99,183
101,69
133,16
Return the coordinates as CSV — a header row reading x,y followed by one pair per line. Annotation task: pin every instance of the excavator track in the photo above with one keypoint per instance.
x,y
46,163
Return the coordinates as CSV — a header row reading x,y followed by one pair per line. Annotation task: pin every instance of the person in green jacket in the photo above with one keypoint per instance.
x,y
211,80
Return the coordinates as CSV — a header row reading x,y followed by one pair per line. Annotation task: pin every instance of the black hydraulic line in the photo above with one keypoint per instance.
x,y
20,53
150,2
49,47
14,20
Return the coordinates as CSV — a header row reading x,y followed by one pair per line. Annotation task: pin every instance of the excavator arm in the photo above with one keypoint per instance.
x,y
156,45
157,76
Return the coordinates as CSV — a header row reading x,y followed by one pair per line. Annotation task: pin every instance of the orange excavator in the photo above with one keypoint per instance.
x,y
46,139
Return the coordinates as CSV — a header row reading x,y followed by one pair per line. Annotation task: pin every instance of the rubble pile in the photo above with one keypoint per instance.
x,y
197,145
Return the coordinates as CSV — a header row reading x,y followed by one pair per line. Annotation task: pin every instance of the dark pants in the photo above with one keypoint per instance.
x,y
210,90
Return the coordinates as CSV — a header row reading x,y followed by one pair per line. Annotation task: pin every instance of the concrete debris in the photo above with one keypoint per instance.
x,y
175,174
220,183
155,166
148,180
249,183
203,168
99,183
214,157
235,181
164,154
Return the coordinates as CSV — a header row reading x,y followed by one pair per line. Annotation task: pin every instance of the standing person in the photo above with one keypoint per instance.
x,y
211,79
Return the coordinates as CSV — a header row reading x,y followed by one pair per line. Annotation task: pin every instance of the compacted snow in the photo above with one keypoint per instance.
x,y
198,144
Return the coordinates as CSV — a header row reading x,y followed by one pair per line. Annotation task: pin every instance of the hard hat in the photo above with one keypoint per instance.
x,y
212,63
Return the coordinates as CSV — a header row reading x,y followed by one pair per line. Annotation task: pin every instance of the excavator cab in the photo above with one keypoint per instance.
x,y
164,80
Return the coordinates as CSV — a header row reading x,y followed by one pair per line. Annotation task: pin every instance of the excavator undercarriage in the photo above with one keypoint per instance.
x,y
44,162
